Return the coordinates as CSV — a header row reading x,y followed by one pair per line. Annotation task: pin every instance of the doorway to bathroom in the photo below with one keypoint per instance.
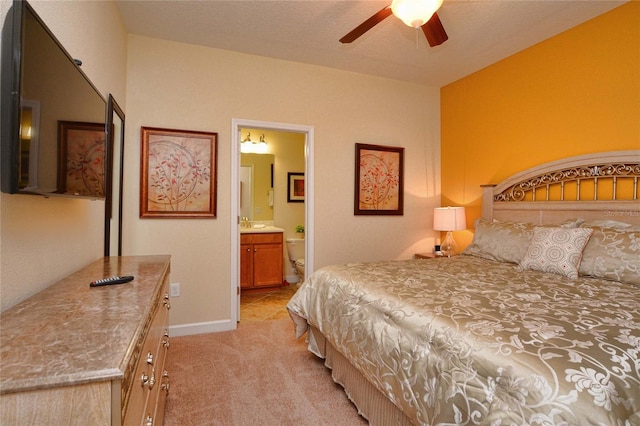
x,y
274,203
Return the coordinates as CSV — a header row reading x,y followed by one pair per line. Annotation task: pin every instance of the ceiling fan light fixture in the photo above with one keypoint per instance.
x,y
415,13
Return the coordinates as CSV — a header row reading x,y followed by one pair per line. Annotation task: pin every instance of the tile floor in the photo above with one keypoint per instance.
x,y
266,306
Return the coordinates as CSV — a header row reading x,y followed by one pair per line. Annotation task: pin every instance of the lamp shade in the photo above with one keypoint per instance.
x,y
415,13
449,219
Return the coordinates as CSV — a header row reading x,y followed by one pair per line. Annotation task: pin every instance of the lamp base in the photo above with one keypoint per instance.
x,y
449,247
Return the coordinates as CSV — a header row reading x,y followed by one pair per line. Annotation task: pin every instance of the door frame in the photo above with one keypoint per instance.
x,y
308,131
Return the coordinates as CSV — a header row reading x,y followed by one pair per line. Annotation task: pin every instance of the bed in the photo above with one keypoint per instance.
x,y
536,322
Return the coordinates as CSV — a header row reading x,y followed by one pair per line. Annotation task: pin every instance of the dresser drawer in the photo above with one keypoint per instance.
x,y
146,382
158,393
163,384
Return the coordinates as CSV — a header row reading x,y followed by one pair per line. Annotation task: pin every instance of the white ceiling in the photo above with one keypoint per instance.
x,y
481,32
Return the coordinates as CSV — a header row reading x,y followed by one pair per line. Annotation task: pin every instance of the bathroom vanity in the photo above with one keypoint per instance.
x,y
261,259
75,354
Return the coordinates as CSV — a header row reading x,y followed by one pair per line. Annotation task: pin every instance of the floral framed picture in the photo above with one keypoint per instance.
x,y
379,180
81,168
178,173
295,187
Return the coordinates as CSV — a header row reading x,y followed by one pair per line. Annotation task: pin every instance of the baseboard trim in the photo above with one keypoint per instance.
x,y
200,328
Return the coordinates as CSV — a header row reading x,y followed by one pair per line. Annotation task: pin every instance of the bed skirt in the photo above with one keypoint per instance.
x,y
371,403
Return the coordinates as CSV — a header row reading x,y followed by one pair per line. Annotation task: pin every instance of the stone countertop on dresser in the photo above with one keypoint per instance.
x,y
70,333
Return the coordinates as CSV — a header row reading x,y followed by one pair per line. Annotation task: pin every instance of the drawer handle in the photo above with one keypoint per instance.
x,y
148,421
166,301
148,381
150,358
165,380
165,343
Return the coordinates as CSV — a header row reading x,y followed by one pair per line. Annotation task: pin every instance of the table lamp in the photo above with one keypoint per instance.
x,y
449,219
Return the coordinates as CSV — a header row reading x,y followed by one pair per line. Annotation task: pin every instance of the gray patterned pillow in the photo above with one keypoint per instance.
x,y
556,250
612,254
608,223
505,241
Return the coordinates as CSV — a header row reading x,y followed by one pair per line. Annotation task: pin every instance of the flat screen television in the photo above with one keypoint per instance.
x,y
53,118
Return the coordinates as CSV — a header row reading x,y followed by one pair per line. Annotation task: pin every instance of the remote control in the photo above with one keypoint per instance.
x,y
111,280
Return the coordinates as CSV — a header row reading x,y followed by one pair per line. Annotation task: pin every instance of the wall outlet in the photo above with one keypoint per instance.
x,y
174,289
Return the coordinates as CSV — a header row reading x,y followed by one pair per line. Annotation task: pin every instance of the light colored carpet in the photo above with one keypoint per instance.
x,y
258,374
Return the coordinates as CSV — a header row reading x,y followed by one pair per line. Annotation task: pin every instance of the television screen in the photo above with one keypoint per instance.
x,y
53,131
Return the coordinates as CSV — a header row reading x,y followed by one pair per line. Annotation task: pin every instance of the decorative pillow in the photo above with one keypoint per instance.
x,y
612,254
608,223
556,250
505,241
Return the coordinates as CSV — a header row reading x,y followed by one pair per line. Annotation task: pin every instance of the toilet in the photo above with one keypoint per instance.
x,y
295,250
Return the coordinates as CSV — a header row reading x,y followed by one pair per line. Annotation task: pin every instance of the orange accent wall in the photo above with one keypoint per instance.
x,y
575,93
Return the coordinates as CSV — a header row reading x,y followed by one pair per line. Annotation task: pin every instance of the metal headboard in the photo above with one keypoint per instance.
x,y
542,189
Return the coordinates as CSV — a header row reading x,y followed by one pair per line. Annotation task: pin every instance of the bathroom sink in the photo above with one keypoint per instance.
x,y
263,229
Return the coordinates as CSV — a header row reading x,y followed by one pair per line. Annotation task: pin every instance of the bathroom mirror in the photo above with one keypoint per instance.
x,y
256,186
113,187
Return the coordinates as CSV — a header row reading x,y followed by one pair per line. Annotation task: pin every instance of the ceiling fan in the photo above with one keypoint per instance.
x,y
414,13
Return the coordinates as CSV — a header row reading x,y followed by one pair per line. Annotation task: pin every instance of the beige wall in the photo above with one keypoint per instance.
x,y
181,86
43,240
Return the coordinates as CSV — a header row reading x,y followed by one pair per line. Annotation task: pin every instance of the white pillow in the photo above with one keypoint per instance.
x,y
556,250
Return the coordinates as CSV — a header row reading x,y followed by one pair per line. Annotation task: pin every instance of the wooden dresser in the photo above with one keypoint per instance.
x,y
76,355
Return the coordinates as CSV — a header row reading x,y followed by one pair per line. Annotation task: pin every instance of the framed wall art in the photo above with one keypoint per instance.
x,y
295,187
178,173
81,169
379,180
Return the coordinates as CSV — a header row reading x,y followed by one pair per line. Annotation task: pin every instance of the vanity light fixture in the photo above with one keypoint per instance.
x,y
449,219
252,147
415,13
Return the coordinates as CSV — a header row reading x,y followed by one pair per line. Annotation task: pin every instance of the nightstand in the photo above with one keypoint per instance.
x,y
425,255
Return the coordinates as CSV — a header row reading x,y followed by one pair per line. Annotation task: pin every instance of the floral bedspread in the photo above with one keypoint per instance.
x,y
465,340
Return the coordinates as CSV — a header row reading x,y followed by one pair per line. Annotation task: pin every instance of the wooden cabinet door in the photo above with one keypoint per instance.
x,y
267,264
246,265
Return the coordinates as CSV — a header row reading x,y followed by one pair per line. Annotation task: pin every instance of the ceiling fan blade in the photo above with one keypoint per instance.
x,y
434,31
366,25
